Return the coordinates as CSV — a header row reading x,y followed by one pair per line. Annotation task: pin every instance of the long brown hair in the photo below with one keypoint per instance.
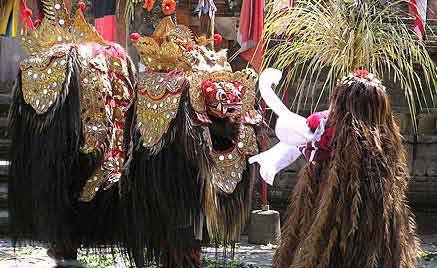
x,y
361,217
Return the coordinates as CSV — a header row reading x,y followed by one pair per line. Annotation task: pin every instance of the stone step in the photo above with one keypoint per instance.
x,y
5,145
5,99
3,198
3,222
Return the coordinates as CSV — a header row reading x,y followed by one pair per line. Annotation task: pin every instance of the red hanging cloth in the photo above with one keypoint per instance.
x,y
250,32
418,8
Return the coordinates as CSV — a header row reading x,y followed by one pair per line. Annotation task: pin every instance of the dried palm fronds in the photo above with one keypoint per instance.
x,y
323,40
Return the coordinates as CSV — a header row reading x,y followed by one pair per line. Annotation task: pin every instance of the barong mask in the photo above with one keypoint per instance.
x,y
62,47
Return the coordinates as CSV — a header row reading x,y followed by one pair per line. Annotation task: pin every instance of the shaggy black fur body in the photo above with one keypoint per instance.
x,y
162,198
48,171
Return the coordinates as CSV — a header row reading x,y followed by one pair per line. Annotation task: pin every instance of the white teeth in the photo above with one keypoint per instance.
x,y
224,109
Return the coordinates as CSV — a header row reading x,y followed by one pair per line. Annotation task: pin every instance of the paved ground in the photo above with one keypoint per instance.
x,y
260,256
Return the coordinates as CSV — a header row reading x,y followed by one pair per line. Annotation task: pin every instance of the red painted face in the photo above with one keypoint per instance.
x,y
222,98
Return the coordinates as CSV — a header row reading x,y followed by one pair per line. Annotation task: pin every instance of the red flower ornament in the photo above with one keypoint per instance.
x,y
148,4
135,37
81,6
217,38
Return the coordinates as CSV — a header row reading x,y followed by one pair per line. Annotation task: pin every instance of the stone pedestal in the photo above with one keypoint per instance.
x,y
264,227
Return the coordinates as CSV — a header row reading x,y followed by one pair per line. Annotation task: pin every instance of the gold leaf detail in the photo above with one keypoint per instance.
x,y
43,77
157,105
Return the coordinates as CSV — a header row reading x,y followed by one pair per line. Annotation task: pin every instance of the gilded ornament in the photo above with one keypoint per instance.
x,y
55,11
43,77
104,103
105,87
159,95
227,170
60,29
83,32
93,110
92,186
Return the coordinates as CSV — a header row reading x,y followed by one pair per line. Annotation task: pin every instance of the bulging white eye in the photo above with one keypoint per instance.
x,y
221,95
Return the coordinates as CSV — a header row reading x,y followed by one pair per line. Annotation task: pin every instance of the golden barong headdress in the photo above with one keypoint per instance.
x,y
173,47
58,27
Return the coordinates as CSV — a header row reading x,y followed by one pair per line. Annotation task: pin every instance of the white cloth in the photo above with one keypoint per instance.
x,y
274,160
291,129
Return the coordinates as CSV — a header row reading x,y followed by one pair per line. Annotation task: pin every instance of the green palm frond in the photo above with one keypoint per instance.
x,y
327,39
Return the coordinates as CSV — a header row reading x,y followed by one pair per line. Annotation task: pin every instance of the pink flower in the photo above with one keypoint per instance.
x,y
361,73
217,38
81,6
135,37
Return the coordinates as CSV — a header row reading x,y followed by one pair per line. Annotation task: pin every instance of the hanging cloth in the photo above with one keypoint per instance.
x,y
250,32
105,19
419,8
9,18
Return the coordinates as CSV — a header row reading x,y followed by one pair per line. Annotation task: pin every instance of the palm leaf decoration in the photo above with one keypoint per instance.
x,y
327,39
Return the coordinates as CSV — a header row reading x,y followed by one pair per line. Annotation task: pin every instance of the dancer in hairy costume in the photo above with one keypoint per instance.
x,y
349,207
67,126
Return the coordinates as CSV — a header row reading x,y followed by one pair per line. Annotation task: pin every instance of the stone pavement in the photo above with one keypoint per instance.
x,y
260,256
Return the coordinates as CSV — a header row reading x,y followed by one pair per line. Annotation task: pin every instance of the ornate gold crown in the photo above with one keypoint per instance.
x,y
165,49
57,27
172,47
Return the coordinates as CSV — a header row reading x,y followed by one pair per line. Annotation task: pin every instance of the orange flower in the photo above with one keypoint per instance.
x,y
148,4
168,6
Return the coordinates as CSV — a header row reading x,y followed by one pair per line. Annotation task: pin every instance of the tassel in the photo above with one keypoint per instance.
x,y
26,17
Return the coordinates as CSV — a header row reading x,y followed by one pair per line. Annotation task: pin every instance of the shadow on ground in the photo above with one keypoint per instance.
x,y
244,256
